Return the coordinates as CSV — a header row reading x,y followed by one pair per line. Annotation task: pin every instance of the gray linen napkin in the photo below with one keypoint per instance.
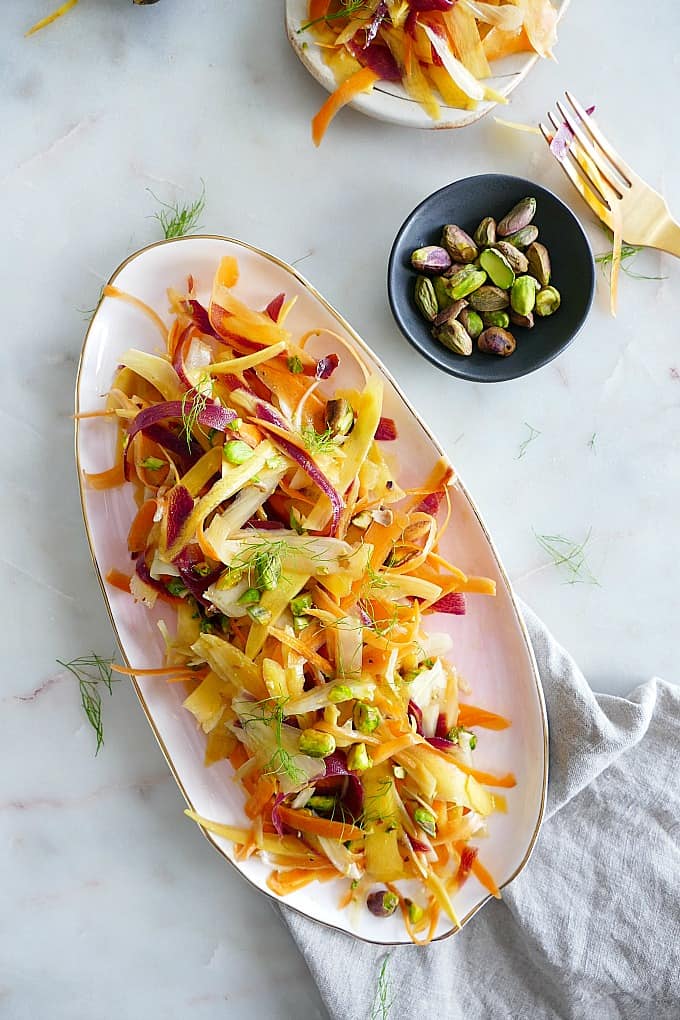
x,y
591,928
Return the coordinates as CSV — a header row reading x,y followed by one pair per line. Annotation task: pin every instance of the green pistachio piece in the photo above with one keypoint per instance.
x,y
497,267
316,743
523,295
358,759
471,322
547,301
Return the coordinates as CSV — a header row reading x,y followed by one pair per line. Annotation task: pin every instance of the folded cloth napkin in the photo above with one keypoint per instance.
x,y
591,927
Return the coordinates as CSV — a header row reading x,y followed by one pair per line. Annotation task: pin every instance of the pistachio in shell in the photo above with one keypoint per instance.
x,y
539,262
489,299
547,301
501,319
430,259
426,298
496,341
485,234
458,244
524,237
466,281
523,295
520,216
522,320
454,337
471,321
497,268
450,313
513,256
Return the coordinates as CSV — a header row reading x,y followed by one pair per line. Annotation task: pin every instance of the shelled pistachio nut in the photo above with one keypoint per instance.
x,y
547,301
454,337
458,244
442,290
501,319
497,268
539,262
430,259
485,234
466,281
496,341
471,322
426,298
489,299
513,256
524,237
520,216
523,295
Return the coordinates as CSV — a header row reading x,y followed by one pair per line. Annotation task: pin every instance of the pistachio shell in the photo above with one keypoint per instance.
x,y
497,268
496,341
489,299
539,262
450,313
513,256
519,216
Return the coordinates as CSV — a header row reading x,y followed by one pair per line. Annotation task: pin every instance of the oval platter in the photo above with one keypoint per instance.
x,y
388,101
491,645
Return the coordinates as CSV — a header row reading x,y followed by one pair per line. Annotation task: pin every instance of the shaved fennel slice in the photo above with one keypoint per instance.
x,y
275,744
243,507
428,691
463,78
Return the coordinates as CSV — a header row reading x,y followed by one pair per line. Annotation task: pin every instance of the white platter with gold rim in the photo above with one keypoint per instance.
x,y
491,647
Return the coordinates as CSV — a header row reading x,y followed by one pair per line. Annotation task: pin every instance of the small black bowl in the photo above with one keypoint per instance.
x,y
466,203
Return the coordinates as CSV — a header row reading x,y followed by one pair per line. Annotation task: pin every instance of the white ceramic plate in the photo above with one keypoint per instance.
x,y
491,647
387,100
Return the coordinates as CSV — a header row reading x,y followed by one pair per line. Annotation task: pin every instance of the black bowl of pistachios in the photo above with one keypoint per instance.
x,y
491,277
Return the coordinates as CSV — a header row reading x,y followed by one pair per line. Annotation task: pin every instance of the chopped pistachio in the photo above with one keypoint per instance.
x,y
426,820
341,692
320,802
358,758
316,744
301,604
259,614
235,451
366,717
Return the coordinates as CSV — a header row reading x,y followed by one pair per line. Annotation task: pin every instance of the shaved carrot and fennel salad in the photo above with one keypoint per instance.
x,y
301,574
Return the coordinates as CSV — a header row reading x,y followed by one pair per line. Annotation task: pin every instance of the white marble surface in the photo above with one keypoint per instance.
x,y
112,906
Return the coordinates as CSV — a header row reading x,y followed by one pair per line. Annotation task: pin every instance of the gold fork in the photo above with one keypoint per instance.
x,y
611,188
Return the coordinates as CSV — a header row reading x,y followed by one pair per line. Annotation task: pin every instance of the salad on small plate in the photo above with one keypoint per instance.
x,y
419,63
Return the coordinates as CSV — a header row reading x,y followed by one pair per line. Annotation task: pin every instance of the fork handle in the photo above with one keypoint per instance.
x,y
668,237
